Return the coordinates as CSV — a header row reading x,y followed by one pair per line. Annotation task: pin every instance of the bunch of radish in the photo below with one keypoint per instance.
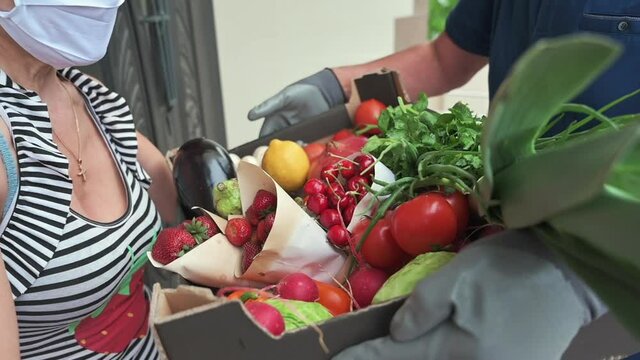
x,y
334,195
294,288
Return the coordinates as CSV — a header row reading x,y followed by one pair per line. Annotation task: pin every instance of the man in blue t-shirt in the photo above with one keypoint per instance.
x,y
504,297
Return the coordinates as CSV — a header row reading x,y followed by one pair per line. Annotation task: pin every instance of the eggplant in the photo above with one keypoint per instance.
x,y
200,164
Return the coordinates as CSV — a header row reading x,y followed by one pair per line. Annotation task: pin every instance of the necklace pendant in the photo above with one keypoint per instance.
x,y
83,172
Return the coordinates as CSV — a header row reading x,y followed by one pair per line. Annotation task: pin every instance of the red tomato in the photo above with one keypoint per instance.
x,y
314,150
424,224
336,300
343,134
368,113
380,249
460,204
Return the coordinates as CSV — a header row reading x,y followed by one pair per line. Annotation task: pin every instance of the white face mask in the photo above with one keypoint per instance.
x,y
62,33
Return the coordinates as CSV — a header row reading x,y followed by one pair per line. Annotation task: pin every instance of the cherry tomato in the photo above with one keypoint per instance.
x,y
424,224
381,250
368,113
336,300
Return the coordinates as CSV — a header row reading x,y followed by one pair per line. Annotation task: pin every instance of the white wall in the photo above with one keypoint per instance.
x,y
264,45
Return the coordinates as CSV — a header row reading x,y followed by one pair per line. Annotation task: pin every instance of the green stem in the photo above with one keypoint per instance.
x,y
386,204
437,168
579,108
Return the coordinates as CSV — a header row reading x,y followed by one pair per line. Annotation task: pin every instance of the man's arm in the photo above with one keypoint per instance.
x,y
432,67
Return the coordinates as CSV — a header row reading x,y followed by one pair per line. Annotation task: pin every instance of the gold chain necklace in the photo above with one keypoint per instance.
x,y
82,171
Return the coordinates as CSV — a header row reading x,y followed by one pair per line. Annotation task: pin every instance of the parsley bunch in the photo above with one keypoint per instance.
x,y
422,144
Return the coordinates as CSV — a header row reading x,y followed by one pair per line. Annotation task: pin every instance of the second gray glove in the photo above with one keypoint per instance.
x,y
310,96
504,297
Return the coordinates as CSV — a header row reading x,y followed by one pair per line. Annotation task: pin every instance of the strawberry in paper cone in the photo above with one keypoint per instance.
x,y
198,252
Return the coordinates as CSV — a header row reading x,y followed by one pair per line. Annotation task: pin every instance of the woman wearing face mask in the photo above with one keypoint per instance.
x,y
75,193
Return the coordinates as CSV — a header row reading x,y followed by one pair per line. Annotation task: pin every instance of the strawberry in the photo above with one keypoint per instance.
x,y
252,216
209,224
264,227
238,231
171,244
250,250
264,203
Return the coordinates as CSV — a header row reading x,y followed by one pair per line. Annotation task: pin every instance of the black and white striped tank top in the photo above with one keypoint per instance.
x,y
77,284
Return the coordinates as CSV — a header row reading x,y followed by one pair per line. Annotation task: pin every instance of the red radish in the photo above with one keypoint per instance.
x,y
348,169
315,186
267,316
365,283
358,184
330,217
347,214
335,193
298,286
365,162
338,235
330,173
317,203
346,202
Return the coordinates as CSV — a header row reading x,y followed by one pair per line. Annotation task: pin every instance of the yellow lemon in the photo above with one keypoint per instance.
x,y
287,163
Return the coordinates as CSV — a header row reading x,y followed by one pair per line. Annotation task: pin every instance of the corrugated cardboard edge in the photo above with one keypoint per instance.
x,y
198,299
336,335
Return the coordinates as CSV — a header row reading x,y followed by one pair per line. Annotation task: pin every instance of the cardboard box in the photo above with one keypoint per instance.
x,y
191,324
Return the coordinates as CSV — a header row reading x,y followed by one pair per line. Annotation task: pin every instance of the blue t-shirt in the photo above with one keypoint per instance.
x,y
504,29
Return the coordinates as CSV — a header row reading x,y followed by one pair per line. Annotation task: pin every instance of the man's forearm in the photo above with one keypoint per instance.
x,y
432,67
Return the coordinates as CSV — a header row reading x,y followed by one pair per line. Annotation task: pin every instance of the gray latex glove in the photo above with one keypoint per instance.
x,y
310,96
504,297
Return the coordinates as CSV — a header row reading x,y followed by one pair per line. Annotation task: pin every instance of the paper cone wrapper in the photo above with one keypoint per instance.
x,y
296,242
213,263
369,202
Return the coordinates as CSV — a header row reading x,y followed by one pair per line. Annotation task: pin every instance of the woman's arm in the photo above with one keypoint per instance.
x,y
9,340
432,67
162,190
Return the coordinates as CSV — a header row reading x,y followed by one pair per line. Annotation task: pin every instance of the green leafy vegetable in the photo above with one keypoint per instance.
x,y
406,279
413,135
299,314
578,190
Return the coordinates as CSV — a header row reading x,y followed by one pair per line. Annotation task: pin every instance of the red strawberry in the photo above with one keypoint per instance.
x,y
264,227
250,250
238,231
201,228
171,244
264,203
252,216
212,228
